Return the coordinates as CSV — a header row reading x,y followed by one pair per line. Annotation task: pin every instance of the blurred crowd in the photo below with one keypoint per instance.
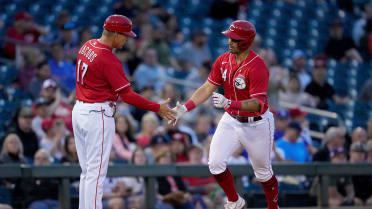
x,y
163,62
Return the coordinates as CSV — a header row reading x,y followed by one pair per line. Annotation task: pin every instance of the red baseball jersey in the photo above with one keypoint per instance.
x,y
99,73
247,80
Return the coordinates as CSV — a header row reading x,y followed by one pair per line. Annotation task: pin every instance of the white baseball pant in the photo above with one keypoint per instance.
x,y
256,137
94,134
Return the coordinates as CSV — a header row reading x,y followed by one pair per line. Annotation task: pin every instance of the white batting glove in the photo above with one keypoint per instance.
x,y
180,111
220,101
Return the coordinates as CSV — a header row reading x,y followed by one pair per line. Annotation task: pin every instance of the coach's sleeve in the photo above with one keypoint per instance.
x,y
215,76
114,73
258,83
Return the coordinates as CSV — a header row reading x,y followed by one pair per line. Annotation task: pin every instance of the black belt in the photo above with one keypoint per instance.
x,y
245,119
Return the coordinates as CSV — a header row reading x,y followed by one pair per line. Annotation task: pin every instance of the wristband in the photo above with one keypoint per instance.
x,y
237,105
190,105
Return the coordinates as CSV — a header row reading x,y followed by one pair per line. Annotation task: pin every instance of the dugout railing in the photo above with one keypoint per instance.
x,y
324,171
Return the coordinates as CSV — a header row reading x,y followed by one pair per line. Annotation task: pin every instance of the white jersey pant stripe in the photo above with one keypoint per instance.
x,y
94,135
256,137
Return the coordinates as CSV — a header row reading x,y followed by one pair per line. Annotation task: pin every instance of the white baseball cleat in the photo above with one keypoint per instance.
x,y
239,204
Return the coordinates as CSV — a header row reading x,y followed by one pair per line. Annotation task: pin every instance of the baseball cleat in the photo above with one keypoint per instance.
x,y
239,204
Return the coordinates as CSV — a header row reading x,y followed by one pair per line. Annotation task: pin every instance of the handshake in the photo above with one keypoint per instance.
x,y
179,110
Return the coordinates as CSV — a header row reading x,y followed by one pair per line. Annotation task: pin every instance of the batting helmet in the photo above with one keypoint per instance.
x,y
120,24
241,30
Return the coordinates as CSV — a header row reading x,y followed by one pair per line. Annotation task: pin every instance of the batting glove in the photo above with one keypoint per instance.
x,y
180,111
220,101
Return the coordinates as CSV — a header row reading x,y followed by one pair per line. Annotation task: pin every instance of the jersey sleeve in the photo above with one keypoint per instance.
x,y
114,73
215,76
258,80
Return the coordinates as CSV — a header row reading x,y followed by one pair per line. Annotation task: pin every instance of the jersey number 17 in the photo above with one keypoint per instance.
x,y
84,71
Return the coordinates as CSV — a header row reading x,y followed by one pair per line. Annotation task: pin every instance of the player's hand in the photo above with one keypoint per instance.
x,y
180,111
220,101
165,112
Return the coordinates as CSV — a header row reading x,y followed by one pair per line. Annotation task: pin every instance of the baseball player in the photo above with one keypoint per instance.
x,y
247,121
100,80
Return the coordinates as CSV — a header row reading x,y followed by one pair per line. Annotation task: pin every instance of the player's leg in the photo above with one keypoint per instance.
x,y
101,130
257,139
79,117
223,144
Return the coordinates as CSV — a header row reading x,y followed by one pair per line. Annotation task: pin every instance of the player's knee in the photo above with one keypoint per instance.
x,y
263,174
216,167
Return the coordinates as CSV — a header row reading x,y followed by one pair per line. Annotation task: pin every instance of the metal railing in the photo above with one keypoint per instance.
x,y
324,171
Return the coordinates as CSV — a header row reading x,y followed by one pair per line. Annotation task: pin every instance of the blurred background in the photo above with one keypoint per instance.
x,y
318,53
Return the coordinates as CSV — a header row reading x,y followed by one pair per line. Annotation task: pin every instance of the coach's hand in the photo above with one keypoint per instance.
x,y
165,112
180,111
220,101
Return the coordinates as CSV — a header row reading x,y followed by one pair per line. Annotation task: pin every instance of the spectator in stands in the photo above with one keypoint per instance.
x,y
203,127
85,34
359,134
294,95
360,24
42,193
358,152
62,69
149,123
170,91
339,46
41,112
180,143
341,190
334,137
278,75
365,94
319,88
12,151
298,68
24,31
369,129
27,60
149,73
53,141
281,122
196,51
22,128
369,151
300,116
186,68
171,188
294,149
157,143
160,45
69,41
58,106
42,74
69,151
124,142
362,184
198,77
114,190
136,185
201,187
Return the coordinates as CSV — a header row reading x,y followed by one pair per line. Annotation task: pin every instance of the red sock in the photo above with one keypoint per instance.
x,y
271,190
226,182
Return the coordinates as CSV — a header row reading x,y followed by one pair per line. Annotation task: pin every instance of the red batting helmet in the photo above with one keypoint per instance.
x,y
120,24
241,30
